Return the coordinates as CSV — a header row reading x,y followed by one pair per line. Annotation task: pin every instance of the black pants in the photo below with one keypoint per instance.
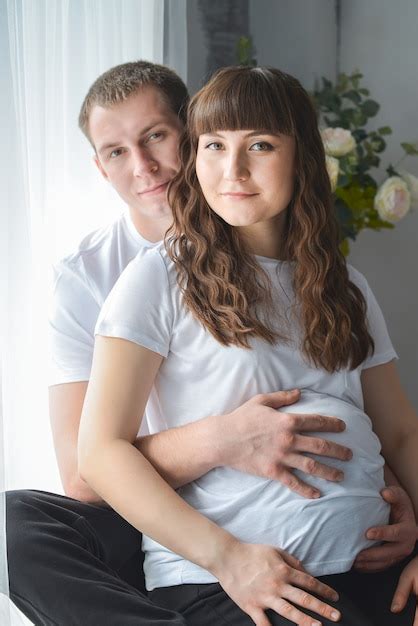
x,y
365,600
76,564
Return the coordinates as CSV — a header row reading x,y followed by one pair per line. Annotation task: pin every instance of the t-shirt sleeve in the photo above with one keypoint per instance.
x,y
73,315
139,307
384,350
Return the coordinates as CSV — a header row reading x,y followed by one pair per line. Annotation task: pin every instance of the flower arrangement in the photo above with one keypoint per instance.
x,y
353,152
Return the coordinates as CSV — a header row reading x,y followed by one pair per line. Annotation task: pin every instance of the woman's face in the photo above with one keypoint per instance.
x,y
246,176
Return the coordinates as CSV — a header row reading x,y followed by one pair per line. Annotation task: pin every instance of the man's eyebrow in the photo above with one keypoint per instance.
x,y
107,146
143,131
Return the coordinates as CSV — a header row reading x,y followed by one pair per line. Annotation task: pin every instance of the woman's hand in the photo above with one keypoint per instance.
x,y
408,583
399,537
259,577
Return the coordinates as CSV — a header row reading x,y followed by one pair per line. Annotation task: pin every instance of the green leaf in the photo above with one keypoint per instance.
x,y
409,148
353,96
385,130
364,92
345,247
370,108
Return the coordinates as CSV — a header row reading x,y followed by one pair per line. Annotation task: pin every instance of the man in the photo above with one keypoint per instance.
x,y
73,560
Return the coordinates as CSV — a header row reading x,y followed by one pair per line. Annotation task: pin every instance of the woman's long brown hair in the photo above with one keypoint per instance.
x,y
222,283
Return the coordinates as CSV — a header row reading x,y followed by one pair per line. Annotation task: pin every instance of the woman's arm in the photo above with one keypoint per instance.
x,y
395,423
121,380
256,577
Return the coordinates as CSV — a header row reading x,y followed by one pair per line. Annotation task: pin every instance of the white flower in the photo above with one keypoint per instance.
x,y
338,141
412,184
392,200
333,168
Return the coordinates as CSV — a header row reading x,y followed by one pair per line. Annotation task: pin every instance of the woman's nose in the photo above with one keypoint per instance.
x,y
236,168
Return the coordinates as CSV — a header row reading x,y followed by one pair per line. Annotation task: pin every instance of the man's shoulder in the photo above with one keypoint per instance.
x,y
101,257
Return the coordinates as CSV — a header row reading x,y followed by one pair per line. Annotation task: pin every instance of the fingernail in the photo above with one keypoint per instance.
x,y
335,615
340,476
371,534
315,494
394,607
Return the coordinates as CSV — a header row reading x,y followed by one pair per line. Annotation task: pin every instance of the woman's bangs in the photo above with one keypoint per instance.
x,y
251,104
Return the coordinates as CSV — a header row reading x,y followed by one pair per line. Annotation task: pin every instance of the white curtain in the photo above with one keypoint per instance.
x,y
50,193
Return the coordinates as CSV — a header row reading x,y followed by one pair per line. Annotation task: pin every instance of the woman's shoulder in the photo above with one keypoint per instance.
x,y
152,263
358,279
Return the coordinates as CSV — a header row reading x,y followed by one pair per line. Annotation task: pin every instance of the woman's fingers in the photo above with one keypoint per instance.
x,y
313,585
307,601
290,612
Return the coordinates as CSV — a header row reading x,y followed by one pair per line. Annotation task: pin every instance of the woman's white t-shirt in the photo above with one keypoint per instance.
x,y
199,377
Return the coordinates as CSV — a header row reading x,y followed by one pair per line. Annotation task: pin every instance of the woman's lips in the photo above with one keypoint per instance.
x,y
238,195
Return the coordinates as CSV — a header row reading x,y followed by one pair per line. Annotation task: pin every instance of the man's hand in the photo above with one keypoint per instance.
x,y
399,537
257,439
260,577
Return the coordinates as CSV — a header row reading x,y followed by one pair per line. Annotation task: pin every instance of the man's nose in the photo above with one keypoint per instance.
x,y
143,162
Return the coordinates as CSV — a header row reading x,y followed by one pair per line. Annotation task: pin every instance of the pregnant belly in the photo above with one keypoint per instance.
x,y
325,534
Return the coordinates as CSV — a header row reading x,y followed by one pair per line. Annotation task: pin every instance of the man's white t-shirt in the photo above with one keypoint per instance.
x,y
200,377
82,282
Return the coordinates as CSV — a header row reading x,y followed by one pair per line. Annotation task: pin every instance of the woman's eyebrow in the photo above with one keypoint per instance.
x,y
252,133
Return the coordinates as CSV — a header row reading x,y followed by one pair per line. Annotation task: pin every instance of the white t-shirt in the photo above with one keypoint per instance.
x,y
82,282
200,377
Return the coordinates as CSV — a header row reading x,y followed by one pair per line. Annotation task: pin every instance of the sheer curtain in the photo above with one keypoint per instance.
x,y
51,195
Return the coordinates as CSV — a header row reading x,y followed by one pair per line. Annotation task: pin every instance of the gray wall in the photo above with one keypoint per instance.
x,y
297,36
379,38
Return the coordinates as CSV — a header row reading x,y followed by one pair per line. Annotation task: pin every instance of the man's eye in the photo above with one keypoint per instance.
x,y
214,145
261,146
115,153
155,136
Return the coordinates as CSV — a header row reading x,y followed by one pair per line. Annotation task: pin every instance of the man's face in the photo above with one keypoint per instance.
x,y
136,145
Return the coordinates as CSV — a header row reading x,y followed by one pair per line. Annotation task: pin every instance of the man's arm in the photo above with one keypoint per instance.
x,y
255,438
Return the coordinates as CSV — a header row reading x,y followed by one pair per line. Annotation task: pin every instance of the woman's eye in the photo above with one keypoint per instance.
x,y
115,153
261,146
214,145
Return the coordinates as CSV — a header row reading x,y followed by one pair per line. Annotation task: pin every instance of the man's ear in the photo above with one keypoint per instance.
x,y
100,167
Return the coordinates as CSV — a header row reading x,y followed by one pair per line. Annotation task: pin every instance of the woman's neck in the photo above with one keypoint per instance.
x,y
265,238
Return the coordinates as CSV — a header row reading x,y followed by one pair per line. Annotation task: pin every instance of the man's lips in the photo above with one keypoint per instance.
x,y
156,189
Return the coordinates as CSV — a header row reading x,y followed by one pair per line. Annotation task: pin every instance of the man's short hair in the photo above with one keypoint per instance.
x,y
121,81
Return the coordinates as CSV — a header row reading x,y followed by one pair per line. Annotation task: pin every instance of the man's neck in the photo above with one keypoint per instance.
x,y
150,228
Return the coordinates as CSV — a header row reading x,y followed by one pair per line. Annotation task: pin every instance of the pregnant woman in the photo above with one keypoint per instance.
x,y
248,294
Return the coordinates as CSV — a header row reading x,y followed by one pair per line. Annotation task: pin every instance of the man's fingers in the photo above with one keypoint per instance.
x,y
314,468
314,422
385,533
295,484
372,568
322,447
276,399
383,553
395,495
